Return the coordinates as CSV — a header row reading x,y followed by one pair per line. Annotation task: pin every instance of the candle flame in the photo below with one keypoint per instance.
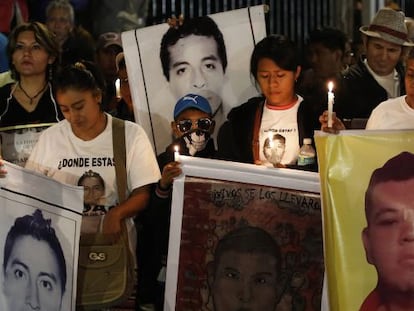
x,y
176,148
330,86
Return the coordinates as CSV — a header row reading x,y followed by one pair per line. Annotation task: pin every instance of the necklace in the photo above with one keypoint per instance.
x,y
32,97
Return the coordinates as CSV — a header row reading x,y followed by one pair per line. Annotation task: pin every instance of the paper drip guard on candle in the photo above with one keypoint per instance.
x,y
331,97
176,154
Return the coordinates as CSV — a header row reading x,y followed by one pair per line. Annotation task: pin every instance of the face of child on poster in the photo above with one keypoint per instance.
x,y
245,272
193,57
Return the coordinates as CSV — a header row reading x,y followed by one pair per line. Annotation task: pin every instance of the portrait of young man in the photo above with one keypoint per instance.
x,y
194,60
34,266
245,271
388,237
206,56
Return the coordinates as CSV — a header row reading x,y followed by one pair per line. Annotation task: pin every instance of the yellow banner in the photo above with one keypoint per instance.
x,y
346,162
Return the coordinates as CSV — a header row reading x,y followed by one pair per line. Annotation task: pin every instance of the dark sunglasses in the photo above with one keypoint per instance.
x,y
202,124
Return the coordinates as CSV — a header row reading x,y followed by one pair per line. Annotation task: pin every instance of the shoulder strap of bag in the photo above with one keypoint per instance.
x,y
256,132
118,142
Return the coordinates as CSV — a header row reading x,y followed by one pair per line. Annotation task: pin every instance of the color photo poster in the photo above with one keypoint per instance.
x,y
38,273
196,65
346,163
240,245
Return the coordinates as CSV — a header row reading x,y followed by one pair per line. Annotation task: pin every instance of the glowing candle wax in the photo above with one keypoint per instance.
x,y
176,154
331,97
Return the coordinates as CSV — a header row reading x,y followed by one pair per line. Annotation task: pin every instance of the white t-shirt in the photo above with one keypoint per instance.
x,y
392,114
61,155
279,135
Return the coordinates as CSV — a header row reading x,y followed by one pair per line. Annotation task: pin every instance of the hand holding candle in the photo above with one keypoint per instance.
x,y
176,154
331,97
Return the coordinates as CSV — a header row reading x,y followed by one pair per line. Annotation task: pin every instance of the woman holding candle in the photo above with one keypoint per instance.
x,y
274,64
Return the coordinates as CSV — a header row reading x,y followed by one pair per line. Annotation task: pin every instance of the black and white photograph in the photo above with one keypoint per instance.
x,y
206,55
39,242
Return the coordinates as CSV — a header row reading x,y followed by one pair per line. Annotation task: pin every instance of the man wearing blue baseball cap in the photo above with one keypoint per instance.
x,y
192,129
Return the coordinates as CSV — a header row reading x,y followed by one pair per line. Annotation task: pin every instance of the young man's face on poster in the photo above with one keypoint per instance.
x,y
245,281
195,67
93,190
32,278
389,237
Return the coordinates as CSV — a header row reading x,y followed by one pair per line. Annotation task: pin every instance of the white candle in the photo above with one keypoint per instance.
x,y
331,97
118,88
176,154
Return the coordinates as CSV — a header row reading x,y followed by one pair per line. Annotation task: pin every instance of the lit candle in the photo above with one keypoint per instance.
x,y
176,154
118,88
331,97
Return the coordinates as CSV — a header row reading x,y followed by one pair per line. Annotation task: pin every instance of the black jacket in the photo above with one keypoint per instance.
x,y
360,93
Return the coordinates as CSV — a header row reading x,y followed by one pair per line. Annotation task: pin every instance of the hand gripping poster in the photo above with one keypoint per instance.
x,y
244,237
39,238
367,182
208,56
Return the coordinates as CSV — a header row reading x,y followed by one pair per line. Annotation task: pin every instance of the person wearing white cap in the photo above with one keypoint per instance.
x,y
379,74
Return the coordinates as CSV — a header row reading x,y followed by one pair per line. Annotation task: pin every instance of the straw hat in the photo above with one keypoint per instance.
x,y
388,25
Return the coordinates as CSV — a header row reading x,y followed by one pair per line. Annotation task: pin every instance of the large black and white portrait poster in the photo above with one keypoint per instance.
x,y
198,64
39,241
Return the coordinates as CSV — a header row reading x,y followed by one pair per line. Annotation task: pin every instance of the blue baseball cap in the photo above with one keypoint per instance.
x,y
192,101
